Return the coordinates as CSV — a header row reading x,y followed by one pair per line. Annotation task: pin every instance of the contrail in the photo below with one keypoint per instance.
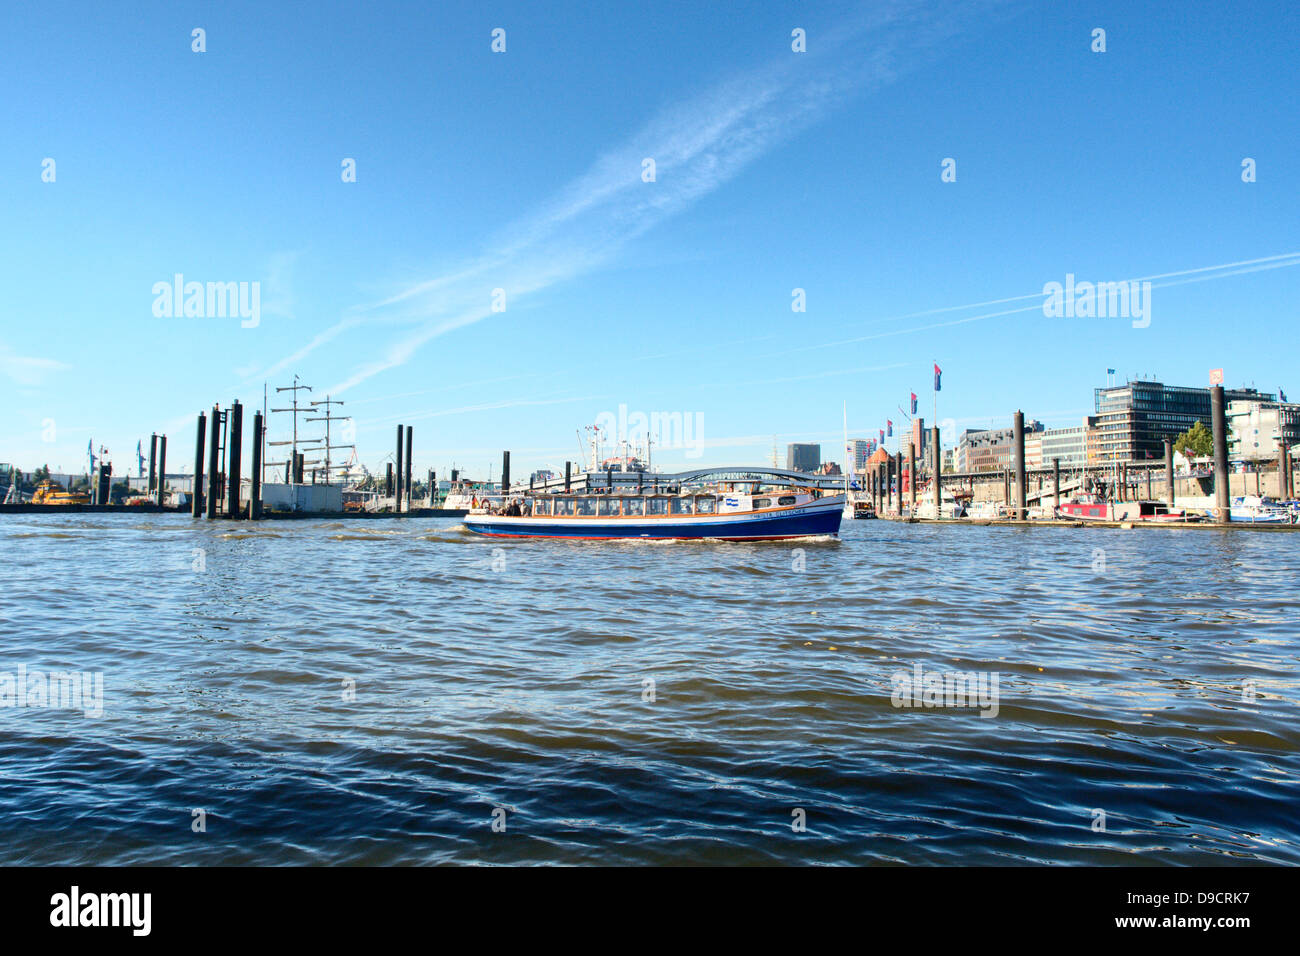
x,y
697,146
1189,276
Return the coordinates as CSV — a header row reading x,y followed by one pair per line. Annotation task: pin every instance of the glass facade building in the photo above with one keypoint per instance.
x,y
805,457
1134,420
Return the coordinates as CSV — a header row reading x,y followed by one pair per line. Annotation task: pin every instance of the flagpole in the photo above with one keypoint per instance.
x,y
848,463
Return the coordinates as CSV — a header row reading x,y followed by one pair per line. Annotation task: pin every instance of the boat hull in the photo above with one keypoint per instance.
x,y
1109,511
805,521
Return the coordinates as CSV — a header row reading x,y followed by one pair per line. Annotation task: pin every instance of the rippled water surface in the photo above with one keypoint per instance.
x,y
647,703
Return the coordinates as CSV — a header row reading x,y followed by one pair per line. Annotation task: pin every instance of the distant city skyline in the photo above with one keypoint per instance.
x,y
472,242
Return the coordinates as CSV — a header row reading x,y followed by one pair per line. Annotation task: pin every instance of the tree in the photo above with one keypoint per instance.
x,y
1196,442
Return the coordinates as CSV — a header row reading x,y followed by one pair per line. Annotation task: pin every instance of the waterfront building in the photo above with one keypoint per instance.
x,y
859,449
830,468
920,439
1255,427
803,456
1133,420
989,449
1034,450
1070,445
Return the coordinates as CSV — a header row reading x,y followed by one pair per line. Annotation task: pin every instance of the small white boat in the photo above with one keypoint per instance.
x,y
465,496
1253,509
987,511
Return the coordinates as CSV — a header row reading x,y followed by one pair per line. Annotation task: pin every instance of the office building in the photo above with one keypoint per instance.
x,y
803,456
1133,420
1254,428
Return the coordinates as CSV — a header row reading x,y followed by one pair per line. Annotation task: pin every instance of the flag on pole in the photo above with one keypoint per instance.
x,y
937,386
882,436
914,403
1110,371
889,427
1281,394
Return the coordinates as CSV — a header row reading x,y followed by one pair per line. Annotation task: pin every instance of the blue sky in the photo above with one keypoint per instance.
x,y
522,170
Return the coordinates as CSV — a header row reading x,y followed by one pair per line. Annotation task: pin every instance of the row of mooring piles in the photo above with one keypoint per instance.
x,y
155,487
216,491
398,484
894,478
1222,510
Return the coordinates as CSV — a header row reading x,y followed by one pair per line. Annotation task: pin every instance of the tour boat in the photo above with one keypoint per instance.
x,y
729,516
1095,508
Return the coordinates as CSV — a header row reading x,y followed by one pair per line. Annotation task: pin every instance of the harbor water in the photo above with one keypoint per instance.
x,y
400,692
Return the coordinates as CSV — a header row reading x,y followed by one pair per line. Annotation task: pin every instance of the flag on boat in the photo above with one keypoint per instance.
x,y
937,373
914,403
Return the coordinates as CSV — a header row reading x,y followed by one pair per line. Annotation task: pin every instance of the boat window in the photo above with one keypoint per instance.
x,y
681,506
656,506
633,506
586,506
608,506
564,506
762,503
540,506
785,500
706,505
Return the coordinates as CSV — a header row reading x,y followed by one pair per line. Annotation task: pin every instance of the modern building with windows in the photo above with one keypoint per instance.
x,y
1255,428
920,439
858,452
1070,445
1133,420
990,449
803,456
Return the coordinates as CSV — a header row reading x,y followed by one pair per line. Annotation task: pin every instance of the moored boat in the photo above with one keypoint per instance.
x,y
1095,508
729,516
1253,509
48,493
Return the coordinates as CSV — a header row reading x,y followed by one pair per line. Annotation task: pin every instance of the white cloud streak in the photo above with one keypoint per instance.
x,y
697,145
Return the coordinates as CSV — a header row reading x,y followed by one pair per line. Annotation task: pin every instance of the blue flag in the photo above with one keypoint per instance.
x,y
937,373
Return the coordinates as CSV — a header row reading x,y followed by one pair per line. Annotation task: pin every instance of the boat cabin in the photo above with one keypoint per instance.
x,y
658,505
